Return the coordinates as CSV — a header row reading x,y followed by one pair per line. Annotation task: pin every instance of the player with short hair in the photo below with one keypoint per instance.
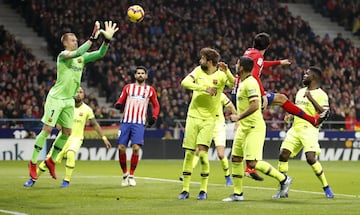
x,y
82,113
207,81
260,44
302,135
59,105
134,101
250,135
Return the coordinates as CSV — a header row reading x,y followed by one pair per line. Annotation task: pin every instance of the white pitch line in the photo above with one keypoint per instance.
x,y
12,212
221,185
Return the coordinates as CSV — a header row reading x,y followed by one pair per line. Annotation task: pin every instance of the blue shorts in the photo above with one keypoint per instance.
x,y
131,132
270,97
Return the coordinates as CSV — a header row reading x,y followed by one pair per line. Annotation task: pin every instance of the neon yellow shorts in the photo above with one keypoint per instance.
x,y
219,134
198,132
248,143
303,137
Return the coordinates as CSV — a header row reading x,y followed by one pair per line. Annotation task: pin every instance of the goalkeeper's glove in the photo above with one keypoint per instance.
x,y
110,29
96,32
151,121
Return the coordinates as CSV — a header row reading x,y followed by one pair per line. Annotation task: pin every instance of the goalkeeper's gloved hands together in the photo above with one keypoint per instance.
x,y
96,31
110,29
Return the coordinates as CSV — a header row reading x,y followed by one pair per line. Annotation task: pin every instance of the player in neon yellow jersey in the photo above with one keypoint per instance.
x,y
250,135
207,82
312,99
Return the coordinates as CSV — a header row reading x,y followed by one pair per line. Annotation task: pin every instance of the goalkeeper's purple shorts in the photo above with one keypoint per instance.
x,y
131,132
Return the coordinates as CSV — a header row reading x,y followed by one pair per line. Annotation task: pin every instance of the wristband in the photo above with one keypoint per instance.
x,y
107,41
104,138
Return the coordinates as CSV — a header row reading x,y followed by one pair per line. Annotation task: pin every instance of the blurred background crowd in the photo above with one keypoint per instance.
x,y
168,41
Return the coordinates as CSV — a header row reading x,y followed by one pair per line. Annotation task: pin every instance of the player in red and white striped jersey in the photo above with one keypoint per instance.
x,y
134,101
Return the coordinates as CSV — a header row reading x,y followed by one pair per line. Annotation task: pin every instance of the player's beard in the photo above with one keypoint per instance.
x,y
203,67
306,82
78,100
140,80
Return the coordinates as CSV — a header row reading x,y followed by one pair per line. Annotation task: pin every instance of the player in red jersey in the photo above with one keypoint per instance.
x,y
260,45
134,100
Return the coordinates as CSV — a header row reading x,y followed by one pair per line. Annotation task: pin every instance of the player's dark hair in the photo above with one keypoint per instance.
x,y
261,41
247,63
141,67
316,70
210,54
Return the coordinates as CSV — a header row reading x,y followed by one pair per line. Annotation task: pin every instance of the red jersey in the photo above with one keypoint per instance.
x,y
137,100
259,64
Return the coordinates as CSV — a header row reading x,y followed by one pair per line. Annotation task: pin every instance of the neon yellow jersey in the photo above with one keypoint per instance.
x,y
248,91
81,115
225,101
203,105
305,104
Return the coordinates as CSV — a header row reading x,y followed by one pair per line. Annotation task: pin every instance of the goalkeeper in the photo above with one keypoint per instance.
x,y
82,113
59,105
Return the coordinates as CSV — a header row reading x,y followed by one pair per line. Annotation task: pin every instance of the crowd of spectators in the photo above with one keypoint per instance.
x,y
344,12
167,42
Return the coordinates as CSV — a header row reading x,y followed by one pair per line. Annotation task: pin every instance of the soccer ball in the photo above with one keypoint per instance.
x,y
135,13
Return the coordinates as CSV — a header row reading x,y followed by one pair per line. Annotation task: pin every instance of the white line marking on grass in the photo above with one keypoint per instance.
x,y
222,185
12,212
251,187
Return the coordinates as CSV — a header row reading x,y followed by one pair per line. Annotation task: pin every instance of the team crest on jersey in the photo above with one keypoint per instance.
x,y
79,60
81,114
215,81
50,119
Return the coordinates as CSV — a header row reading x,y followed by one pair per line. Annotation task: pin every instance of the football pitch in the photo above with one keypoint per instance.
x,y
95,189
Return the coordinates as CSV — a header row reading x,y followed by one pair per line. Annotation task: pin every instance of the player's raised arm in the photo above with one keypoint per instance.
x,y
70,43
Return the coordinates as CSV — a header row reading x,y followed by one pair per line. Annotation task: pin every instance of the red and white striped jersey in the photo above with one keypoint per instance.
x,y
136,99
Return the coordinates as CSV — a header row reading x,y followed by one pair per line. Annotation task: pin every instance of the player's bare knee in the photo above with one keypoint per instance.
x,y
236,159
121,148
284,155
310,158
280,98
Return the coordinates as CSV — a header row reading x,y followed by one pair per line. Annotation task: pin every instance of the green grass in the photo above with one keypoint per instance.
x,y
95,189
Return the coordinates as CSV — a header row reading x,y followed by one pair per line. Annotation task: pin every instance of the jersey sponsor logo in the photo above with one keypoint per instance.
x,y
215,81
76,69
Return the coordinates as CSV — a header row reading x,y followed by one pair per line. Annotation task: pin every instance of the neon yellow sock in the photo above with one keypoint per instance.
x,y
237,176
41,168
225,166
318,170
70,165
195,161
205,170
283,167
267,169
187,169
39,144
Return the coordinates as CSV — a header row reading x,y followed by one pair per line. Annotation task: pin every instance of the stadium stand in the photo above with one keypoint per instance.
x,y
167,43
